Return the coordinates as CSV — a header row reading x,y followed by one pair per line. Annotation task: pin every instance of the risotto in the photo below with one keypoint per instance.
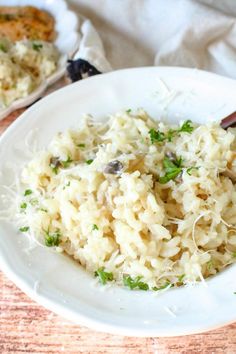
x,y
24,65
137,202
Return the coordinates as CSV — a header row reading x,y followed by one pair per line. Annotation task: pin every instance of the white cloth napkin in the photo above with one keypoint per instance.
x,y
199,34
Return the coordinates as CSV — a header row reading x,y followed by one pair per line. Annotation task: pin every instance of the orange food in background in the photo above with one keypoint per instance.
x,y
26,22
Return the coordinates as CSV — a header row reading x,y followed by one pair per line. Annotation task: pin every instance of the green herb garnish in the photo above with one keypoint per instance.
x,y
23,206
158,136
81,145
172,169
66,163
180,278
67,185
104,277
24,229
34,201
55,169
167,284
28,192
170,134
128,110
37,46
134,283
186,127
209,265
190,169
234,254
3,48
88,162
52,239
95,227
43,209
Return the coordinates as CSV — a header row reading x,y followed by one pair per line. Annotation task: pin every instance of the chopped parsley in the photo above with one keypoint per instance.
x,y
166,285
34,201
104,277
186,127
95,227
67,185
66,163
170,134
190,169
3,48
134,283
88,162
209,265
55,169
43,209
24,229
23,206
172,169
180,278
234,254
81,145
28,192
128,110
55,163
158,136
37,46
52,239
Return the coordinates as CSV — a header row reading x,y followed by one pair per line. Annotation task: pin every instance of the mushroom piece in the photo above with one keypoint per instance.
x,y
55,162
113,168
230,174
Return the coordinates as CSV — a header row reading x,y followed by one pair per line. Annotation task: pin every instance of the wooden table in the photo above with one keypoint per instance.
x,y
26,327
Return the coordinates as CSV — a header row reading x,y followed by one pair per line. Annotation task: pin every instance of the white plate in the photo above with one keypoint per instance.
x,y
67,41
61,285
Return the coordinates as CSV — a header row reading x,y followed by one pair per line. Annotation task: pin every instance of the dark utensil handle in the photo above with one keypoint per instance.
x,y
229,121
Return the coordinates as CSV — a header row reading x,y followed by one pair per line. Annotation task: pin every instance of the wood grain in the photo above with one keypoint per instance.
x,y
26,327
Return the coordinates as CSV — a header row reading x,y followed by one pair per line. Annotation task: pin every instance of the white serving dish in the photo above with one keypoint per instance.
x,y
60,284
67,41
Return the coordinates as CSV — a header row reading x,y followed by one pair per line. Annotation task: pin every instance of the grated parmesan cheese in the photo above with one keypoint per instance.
x,y
126,221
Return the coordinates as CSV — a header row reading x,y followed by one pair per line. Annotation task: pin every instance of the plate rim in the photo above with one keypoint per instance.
x,y
95,324
58,308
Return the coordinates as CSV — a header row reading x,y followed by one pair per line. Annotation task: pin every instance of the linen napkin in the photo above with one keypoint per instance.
x,y
189,33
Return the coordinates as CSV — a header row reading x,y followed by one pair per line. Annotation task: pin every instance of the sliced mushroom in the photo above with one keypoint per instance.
x,y
55,162
113,168
230,174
